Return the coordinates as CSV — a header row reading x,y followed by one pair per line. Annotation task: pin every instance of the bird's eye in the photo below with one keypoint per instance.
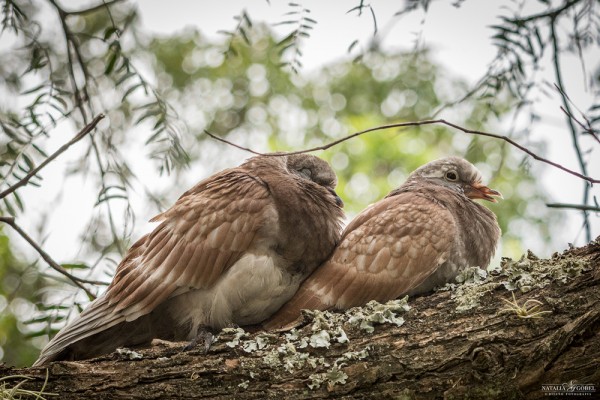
x,y
451,176
306,172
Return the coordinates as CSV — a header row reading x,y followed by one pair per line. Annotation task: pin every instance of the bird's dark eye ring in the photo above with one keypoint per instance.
x,y
451,176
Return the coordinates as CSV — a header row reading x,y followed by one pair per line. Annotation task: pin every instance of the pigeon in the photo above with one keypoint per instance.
x,y
230,252
417,238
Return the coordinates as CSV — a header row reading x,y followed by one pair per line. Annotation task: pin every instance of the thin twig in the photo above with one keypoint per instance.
x,y
82,98
587,129
552,13
104,4
57,267
573,206
87,129
574,136
415,123
71,42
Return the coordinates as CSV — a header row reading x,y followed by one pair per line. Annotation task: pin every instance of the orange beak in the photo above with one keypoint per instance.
x,y
479,191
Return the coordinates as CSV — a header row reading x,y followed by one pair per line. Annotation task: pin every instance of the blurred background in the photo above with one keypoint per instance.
x,y
273,75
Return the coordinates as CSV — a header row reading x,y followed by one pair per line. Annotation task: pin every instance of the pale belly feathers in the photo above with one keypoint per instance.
x,y
249,292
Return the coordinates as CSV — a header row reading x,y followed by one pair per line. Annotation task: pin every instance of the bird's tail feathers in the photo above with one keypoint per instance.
x,y
290,315
96,318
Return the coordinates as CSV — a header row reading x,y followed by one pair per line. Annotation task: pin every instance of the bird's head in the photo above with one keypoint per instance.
x,y
456,174
316,170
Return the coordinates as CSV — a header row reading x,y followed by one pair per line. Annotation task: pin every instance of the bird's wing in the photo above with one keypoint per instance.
x,y
387,250
201,236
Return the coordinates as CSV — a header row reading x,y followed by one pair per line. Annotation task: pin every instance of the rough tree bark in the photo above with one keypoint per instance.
x,y
461,342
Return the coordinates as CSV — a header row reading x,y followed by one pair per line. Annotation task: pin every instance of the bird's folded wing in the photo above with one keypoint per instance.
x,y
201,236
387,250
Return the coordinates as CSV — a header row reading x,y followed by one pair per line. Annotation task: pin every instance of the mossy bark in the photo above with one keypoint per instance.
x,y
485,351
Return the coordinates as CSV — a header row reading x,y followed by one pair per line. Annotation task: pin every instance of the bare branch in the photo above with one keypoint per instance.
x,y
415,123
220,139
574,135
573,206
586,128
87,129
57,267
89,10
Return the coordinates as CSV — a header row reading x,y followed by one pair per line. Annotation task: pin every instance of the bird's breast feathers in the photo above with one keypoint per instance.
x,y
248,292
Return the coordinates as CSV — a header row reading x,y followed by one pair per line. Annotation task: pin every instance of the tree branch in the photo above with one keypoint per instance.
x,y
87,129
435,349
552,13
573,206
574,136
415,123
104,4
57,267
586,128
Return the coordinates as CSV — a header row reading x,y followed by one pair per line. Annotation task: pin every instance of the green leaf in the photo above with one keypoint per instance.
x,y
75,266
148,114
124,78
131,90
28,161
45,318
108,32
19,201
111,64
110,197
34,89
9,207
39,150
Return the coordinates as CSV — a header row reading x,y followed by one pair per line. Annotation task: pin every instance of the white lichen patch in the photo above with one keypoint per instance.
x,y
295,361
471,275
129,354
244,384
249,346
341,336
271,359
320,339
332,377
470,285
375,313
366,317
525,274
291,359
237,335
354,355
530,272
300,350
259,342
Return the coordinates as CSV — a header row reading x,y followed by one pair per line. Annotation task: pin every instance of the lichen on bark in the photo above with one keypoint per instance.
x,y
454,343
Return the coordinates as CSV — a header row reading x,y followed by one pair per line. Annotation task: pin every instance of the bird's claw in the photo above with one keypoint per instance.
x,y
205,335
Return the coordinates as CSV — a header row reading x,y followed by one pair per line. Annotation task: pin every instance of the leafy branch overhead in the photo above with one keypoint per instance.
x,y
67,82
290,45
244,24
525,43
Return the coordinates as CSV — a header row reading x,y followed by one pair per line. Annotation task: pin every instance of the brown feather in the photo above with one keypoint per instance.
x,y
236,245
417,237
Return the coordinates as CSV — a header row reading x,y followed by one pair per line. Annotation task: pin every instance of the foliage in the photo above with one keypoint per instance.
x,y
529,42
20,286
